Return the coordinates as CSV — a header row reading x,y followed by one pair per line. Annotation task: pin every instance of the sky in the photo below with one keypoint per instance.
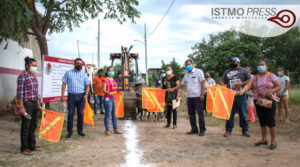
x,y
183,27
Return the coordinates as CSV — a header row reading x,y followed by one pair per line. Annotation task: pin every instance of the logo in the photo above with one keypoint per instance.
x,y
48,69
284,18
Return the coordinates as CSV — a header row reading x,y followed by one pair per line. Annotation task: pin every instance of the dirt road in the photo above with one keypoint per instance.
x,y
149,144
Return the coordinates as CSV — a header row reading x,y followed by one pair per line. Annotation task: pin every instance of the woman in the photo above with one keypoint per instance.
x,y
265,85
110,88
283,94
171,81
208,82
28,106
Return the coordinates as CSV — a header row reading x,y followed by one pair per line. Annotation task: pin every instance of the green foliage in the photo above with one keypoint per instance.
x,y
213,55
294,96
18,16
152,79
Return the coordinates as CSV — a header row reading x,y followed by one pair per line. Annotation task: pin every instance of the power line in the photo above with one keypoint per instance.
x,y
162,18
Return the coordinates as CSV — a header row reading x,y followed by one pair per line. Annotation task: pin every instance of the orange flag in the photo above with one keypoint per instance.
x,y
154,99
88,115
210,99
119,105
51,125
224,99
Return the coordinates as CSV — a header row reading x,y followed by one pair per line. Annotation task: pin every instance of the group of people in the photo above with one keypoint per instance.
x,y
265,86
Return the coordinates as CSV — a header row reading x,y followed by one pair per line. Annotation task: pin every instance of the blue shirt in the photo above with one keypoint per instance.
x,y
76,81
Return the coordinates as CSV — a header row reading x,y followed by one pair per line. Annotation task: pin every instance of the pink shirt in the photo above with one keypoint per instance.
x,y
111,86
263,84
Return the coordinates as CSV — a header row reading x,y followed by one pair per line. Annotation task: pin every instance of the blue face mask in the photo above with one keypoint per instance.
x,y
188,68
279,73
261,69
111,73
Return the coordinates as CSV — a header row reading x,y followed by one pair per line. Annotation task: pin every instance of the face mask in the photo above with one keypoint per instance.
x,y
261,69
279,73
78,67
33,70
233,65
169,72
111,73
188,68
206,76
163,75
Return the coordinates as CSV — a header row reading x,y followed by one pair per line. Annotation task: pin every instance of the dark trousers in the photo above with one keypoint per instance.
x,y
28,126
240,106
194,104
170,110
75,101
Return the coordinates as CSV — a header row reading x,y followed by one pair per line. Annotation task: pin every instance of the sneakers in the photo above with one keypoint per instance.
x,y
192,132
227,134
27,152
82,134
102,113
69,136
246,134
202,134
167,126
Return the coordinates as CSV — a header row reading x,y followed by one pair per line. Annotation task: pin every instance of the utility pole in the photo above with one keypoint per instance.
x,y
146,61
93,58
78,48
98,45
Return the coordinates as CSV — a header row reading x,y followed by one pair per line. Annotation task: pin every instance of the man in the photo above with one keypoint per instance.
x,y
78,89
235,78
194,80
27,94
98,90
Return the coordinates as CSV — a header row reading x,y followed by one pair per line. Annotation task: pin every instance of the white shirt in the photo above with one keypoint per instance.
x,y
193,81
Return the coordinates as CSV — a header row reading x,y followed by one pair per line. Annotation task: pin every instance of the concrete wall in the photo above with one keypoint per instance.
x,y
12,64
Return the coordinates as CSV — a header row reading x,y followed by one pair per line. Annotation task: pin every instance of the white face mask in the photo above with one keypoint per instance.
x,y
169,72
33,70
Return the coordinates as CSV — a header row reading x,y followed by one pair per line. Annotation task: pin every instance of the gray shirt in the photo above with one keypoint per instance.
x,y
193,81
231,76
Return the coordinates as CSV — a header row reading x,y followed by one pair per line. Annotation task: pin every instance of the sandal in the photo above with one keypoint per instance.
x,y
273,146
261,143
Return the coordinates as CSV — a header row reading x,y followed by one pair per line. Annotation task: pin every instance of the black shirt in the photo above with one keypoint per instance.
x,y
171,83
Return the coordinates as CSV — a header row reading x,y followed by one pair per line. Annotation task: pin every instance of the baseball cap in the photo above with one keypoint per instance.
x,y
235,59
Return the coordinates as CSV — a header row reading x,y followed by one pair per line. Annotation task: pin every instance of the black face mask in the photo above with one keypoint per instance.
x,y
233,65
78,67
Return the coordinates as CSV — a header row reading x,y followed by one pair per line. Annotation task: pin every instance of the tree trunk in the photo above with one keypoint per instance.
x,y
43,45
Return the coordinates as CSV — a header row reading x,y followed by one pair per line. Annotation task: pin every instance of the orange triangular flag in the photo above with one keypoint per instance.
x,y
88,115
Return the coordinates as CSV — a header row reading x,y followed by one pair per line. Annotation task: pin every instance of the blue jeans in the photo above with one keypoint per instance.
x,y
239,105
194,104
110,111
101,100
75,101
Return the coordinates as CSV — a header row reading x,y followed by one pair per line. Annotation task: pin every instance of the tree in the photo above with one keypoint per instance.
x,y
283,51
213,55
20,18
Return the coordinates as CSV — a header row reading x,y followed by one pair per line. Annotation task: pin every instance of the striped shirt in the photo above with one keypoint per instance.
x,y
111,86
76,81
27,87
